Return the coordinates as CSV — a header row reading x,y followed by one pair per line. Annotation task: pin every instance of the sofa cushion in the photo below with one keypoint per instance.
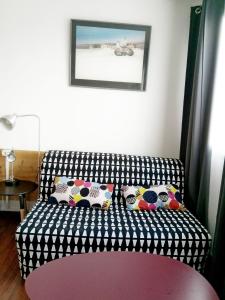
x,y
80,193
53,231
156,196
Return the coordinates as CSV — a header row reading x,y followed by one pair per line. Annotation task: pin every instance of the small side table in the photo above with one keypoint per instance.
x,y
21,189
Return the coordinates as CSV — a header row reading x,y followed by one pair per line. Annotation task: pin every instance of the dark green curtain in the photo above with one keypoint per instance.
x,y
197,153
195,18
217,276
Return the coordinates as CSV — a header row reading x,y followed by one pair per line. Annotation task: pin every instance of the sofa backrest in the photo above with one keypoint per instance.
x,y
119,169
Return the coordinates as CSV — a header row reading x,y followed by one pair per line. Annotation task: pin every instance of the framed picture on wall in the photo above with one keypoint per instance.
x,y
109,55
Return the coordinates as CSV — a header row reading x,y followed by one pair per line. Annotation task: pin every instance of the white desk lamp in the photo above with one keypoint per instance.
x,y
10,121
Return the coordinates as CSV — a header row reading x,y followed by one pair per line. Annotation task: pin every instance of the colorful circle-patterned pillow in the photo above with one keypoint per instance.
x,y
156,196
79,193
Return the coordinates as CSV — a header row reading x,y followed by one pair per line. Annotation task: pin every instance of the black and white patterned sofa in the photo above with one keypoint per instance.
x,y
53,231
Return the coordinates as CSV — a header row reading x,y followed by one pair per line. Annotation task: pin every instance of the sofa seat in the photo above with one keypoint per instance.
x,y
52,231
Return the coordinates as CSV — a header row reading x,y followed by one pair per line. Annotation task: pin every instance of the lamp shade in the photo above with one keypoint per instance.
x,y
9,120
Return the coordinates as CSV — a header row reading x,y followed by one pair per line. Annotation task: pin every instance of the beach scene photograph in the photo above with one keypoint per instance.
x,y
109,54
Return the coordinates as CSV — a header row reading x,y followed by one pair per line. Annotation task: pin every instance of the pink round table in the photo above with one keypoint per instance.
x,y
117,276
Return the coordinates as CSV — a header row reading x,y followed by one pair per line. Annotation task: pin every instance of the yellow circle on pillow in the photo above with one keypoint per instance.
x,y
77,197
172,189
57,180
139,197
142,190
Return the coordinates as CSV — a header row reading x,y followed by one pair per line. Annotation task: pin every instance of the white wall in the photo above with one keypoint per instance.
x,y
34,78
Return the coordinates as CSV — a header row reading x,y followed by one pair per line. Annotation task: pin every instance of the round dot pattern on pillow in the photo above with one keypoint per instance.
x,y
61,188
80,193
52,200
103,187
74,190
70,183
150,196
84,192
163,196
83,203
131,200
154,197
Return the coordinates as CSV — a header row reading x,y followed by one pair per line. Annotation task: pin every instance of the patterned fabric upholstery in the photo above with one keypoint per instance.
x,y
52,231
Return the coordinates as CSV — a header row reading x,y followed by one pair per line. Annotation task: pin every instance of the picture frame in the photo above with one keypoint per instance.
x,y
109,55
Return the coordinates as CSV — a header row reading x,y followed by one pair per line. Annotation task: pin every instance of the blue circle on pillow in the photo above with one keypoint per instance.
x,y
107,195
178,197
52,200
150,196
70,183
103,187
64,202
175,186
83,203
96,205
84,192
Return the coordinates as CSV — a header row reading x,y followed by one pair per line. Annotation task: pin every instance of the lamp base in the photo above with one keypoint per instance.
x,y
10,182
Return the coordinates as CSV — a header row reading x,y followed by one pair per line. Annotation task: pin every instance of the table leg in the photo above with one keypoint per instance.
x,y
22,206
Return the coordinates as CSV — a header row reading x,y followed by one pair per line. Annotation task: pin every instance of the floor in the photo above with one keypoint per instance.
x,y
11,284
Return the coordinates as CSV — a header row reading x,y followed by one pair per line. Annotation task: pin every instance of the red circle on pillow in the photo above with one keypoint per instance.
x,y
110,187
174,204
78,182
143,205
